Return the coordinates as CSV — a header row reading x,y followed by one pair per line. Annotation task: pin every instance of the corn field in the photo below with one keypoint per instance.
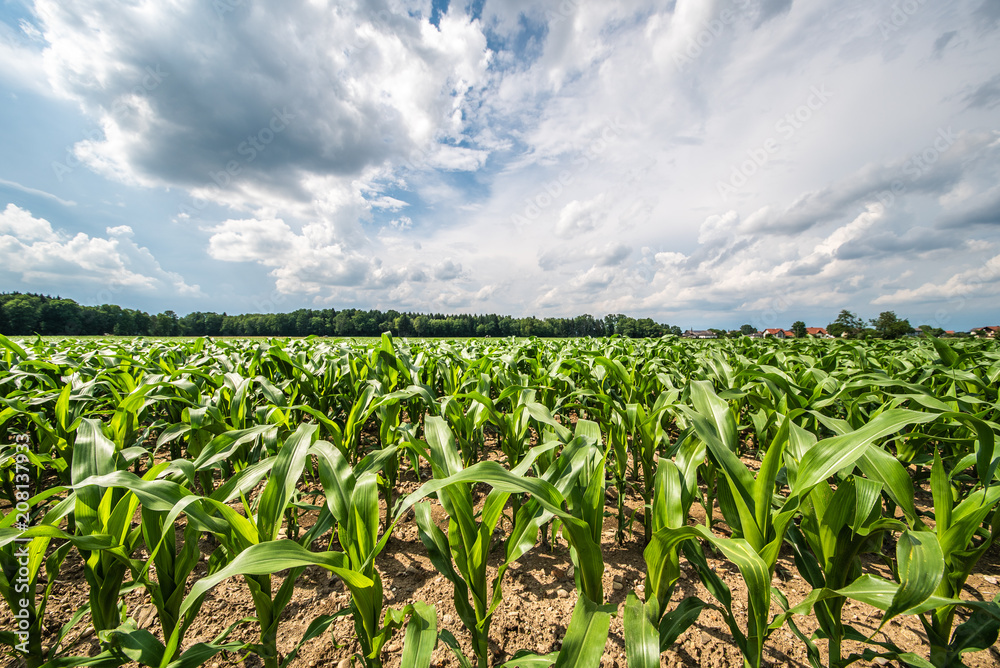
x,y
170,470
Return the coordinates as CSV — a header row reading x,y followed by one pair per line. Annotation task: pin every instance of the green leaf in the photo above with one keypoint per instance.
x,y
941,492
838,452
678,620
586,635
13,347
421,636
947,353
977,633
271,557
137,644
281,484
921,567
642,640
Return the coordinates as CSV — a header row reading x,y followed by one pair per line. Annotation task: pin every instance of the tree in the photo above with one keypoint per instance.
x,y
888,326
22,314
611,323
403,326
747,330
846,323
646,328
626,326
799,329
125,326
936,332
162,324
342,325
420,325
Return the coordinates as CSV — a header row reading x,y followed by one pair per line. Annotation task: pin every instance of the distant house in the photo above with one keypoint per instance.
x,y
984,332
818,332
777,334
699,334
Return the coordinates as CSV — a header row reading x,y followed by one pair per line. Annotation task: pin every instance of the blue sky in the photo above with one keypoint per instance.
x,y
702,163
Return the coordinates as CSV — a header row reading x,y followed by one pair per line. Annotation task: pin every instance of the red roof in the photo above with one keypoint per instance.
x,y
815,330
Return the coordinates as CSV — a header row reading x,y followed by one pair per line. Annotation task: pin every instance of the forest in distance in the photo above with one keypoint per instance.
x,y
23,314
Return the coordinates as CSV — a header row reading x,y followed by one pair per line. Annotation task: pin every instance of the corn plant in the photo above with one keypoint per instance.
x,y
22,560
461,556
649,628
352,501
748,504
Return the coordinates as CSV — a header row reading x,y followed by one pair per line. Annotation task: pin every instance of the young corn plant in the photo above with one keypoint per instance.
x,y
515,426
963,528
103,511
250,545
965,531
352,501
648,438
758,517
162,502
23,555
838,525
467,424
649,628
461,555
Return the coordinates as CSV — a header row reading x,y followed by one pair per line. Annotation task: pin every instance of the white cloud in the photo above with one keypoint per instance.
x,y
251,241
34,253
448,270
578,217
457,158
35,191
982,282
305,262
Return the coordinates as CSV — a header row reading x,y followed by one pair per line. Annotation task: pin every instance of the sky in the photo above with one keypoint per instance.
x,y
704,163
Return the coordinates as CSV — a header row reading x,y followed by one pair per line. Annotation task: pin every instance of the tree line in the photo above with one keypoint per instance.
x,y
27,314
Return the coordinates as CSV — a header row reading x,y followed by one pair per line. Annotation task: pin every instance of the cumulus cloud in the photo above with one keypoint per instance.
x,y
303,261
578,217
329,88
33,253
447,270
982,282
